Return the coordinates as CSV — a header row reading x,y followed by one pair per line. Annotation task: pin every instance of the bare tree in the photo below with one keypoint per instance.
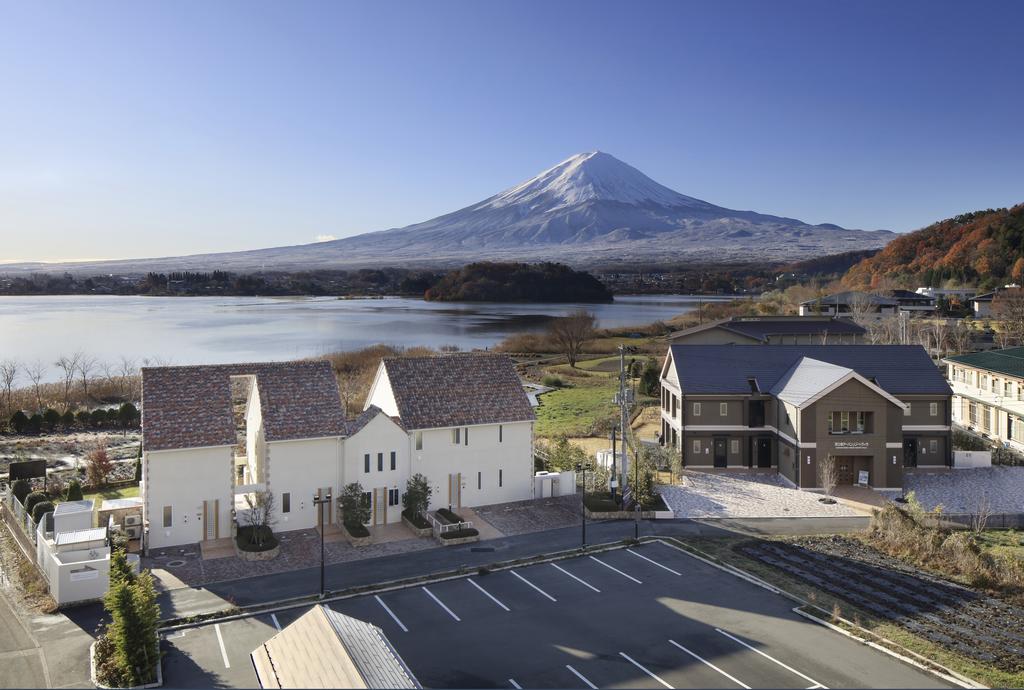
x,y
35,372
570,332
259,516
961,337
86,368
982,512
8,375
828,474
1008,307
1003,339
68,367
862,308
128,368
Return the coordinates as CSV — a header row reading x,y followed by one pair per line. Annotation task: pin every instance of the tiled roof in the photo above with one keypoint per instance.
x,y
1009,361
725,369
190,406
457,390
761,328
356,424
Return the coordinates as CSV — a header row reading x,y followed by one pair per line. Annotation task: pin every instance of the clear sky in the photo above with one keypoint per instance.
x,y
142,128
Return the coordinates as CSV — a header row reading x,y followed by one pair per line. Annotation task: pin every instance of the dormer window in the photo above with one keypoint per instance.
x,y
754,386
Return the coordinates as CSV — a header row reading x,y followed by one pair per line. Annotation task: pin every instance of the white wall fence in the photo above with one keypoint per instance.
x,y
969,459
443,527
550,484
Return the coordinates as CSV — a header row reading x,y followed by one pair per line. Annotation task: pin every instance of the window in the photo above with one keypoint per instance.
x,y
696,409
933,409
456,436
861,422
734,446
419,440
366,463
392,497
984,382
286,503
500,477
723,409
972,413
986,417
465,435
1008,389
933,446
380,462
167,516
394,461
696,445
500,433
479,481
844,422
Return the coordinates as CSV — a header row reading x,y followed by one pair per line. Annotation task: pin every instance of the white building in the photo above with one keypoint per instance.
x,y
214,434
988,394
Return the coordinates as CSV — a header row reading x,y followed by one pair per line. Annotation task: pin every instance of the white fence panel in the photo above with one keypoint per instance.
x,y
969,459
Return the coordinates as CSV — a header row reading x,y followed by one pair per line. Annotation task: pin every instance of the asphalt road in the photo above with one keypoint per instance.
x,y
648,617
268,588
21,660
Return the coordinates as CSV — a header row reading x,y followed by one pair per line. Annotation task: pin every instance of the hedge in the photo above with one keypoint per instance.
x,y
449,516
357,531
40,509
416,519
32,499
244,539
21,488
460,533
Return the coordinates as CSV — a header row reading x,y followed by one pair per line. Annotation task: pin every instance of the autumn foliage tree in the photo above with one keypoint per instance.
x,y
98,466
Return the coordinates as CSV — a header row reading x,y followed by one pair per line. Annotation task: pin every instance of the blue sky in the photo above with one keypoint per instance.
x,y
143,129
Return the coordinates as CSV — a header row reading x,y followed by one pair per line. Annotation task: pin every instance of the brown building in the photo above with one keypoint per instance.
x,y
876,408
772,330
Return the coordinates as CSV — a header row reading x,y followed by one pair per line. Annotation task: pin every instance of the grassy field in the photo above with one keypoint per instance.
x,y
721,548
577,410
1003,542
107,494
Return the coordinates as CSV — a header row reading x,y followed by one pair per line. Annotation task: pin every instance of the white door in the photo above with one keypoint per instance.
x,y
380,506
210,517
455,490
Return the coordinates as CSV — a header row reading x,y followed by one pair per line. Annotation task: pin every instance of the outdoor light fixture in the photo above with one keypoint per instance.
x,y
321,501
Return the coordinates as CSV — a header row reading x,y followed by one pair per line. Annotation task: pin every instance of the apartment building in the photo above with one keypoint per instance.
x,y
988,394
213,435
878,409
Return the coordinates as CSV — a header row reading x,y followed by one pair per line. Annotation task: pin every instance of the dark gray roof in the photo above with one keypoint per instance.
x,y
762,327
1009,361
457,390
725,369
190,406
850,295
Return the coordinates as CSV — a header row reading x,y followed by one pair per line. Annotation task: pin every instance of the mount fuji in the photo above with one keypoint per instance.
x,y
590,209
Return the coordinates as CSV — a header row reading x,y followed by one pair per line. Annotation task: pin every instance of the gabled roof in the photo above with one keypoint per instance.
x,y
762,328
1009,361
190,406
989,296
356,424
460,389
327,649
810,379
725,369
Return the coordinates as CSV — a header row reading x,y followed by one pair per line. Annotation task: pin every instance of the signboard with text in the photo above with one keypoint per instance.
x,y
27,469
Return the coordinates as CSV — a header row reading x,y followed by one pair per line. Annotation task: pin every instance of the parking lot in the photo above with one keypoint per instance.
x,y
645,617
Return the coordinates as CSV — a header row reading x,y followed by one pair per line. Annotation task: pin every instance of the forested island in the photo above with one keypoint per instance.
x,y
518,282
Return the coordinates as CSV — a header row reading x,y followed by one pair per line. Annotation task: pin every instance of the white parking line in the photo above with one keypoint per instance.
x,y
631,660
581,581
220,641
440,603
391,613
814,684
277,623
581,677
617,570
651,560
487,594
533,585
515,685
710,665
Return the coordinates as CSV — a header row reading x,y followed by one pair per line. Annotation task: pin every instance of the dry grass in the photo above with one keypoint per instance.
x,y
32,591
355,370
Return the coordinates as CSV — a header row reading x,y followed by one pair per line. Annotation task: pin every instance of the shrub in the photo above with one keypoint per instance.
x,y
552,381
67,420
416,499
19,422
32,499
74,492
51,418
448,515
416,519
600,502
98,466
40,509
355,510
21,488
460,533
127,652
357,531
254,539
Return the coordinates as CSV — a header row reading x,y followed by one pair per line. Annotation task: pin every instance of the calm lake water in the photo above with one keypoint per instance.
x,y
212,330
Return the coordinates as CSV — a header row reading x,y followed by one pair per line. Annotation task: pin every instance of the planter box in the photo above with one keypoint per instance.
x,y
267,555
355,541
418,531
460,540
155,684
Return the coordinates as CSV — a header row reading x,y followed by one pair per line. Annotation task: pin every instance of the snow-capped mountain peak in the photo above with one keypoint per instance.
x,y
591,176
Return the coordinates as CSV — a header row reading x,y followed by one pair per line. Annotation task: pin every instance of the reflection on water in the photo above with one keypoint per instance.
x,y
197,330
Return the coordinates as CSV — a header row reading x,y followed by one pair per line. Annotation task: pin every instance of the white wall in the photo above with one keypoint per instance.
x,y
255,443
300,468
183,479
380,435
484,455
381,393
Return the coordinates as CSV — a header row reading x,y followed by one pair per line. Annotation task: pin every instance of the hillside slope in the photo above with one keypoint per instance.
x,y
984,248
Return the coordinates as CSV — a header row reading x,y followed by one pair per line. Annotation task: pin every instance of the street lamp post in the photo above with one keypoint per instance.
x,y
636,497
320,502
582,467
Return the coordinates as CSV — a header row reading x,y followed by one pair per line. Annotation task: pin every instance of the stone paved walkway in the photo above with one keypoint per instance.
x,y
523,517
959,491
704,495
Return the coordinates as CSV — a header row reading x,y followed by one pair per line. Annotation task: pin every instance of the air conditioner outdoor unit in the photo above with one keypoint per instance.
x,y
134,532
130,520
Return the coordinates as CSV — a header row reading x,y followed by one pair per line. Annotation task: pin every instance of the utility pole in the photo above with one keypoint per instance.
x,y
624,398
320,501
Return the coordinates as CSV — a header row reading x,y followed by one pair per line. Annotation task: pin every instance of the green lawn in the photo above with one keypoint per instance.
x,y
1003,542
574,411
107,494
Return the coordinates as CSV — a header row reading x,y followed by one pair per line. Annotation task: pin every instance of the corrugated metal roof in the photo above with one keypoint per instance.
x,y
725,369
69,507
1009,361
807,378
80,536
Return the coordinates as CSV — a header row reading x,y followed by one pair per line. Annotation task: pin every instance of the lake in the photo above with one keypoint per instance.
x,y
213,330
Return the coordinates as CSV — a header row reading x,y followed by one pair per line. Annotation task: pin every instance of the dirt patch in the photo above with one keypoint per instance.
x,y
66,451
969,622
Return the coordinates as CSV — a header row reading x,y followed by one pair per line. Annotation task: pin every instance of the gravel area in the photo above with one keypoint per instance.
x,y
705,495
521,517
959,491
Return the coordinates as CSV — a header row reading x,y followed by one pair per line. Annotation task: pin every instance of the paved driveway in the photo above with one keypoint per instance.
x,y
706,495
962,491
649,617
